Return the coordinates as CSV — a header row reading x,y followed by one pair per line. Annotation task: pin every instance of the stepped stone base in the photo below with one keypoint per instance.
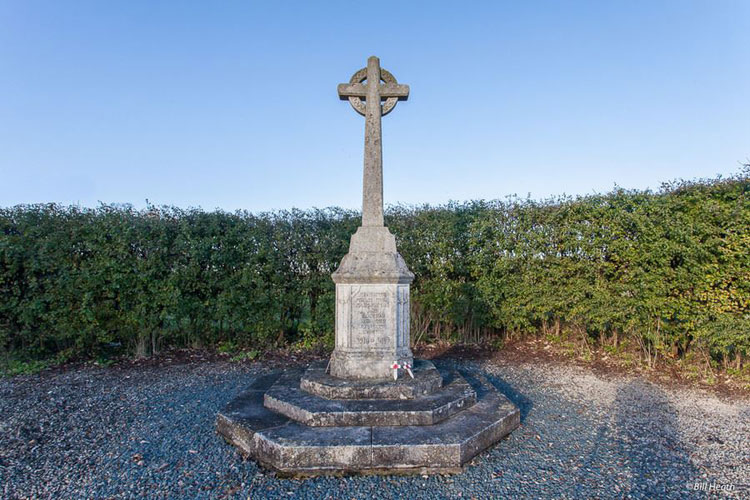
x,y
295,447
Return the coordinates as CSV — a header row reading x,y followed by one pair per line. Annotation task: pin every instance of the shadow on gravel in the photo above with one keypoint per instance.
x,y
509,391
650,444
505,388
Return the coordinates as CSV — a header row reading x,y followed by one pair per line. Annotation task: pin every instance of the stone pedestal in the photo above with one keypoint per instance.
x,y
372,308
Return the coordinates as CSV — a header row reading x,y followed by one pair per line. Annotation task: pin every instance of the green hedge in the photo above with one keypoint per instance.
x,y
668,270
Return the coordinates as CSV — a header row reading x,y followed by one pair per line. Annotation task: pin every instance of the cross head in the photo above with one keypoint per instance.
x,y
373,92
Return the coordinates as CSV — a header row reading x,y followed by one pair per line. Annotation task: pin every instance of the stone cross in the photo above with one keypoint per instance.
x,y
372,281
373,92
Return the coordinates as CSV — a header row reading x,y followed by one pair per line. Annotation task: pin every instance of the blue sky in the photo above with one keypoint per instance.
x,y
233,105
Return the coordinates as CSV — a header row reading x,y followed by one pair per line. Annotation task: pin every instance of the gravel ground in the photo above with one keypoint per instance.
x,y
149,432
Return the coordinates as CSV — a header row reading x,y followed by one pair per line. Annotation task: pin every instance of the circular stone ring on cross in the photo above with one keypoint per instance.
x,y
356,102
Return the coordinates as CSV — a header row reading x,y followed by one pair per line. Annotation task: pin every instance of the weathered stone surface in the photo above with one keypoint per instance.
x,y
449,443
286,398
294,448
245,415
372,330
372,258
426,380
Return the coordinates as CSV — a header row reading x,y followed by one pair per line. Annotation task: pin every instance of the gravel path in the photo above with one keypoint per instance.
x,y
149,432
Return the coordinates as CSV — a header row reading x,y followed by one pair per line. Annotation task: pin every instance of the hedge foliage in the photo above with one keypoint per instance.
x,y
669,270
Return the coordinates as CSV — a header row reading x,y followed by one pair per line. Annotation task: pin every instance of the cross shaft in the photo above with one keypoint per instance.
x,y
373,92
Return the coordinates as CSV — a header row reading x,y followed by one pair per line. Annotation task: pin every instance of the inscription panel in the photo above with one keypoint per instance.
x,y
369,316
372,329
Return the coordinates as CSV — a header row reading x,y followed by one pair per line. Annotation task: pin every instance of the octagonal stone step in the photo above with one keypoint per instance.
x,y
295,449
426,380
286,397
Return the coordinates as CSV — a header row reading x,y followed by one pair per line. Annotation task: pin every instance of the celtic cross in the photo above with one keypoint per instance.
x,y
373,92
